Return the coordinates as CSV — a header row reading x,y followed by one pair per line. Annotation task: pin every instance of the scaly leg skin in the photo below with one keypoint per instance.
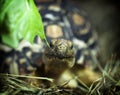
x,y
85,74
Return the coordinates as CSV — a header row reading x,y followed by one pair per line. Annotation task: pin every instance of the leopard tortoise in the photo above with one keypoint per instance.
x,y
72,49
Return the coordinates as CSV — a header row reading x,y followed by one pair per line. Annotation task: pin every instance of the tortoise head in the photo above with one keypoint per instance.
x,y
59,56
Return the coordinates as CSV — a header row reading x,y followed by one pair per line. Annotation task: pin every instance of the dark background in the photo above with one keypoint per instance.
x,y
105,16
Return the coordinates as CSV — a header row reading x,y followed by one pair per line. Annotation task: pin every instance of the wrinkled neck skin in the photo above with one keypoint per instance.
x,y
54,67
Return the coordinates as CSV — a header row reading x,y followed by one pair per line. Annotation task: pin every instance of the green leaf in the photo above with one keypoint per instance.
x,y
19,19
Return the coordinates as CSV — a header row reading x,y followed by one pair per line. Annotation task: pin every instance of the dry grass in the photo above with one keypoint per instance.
x,y
108,84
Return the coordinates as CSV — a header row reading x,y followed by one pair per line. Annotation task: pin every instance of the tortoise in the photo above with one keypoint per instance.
x,y
73,44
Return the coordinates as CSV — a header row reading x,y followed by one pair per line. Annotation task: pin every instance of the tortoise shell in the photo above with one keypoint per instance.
x,y
73,24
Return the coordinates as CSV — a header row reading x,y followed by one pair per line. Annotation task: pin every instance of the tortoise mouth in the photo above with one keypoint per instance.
x,y
58,55
61,54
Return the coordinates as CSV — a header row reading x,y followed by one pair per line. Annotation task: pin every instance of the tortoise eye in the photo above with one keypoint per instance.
x,y
51,44
71,46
